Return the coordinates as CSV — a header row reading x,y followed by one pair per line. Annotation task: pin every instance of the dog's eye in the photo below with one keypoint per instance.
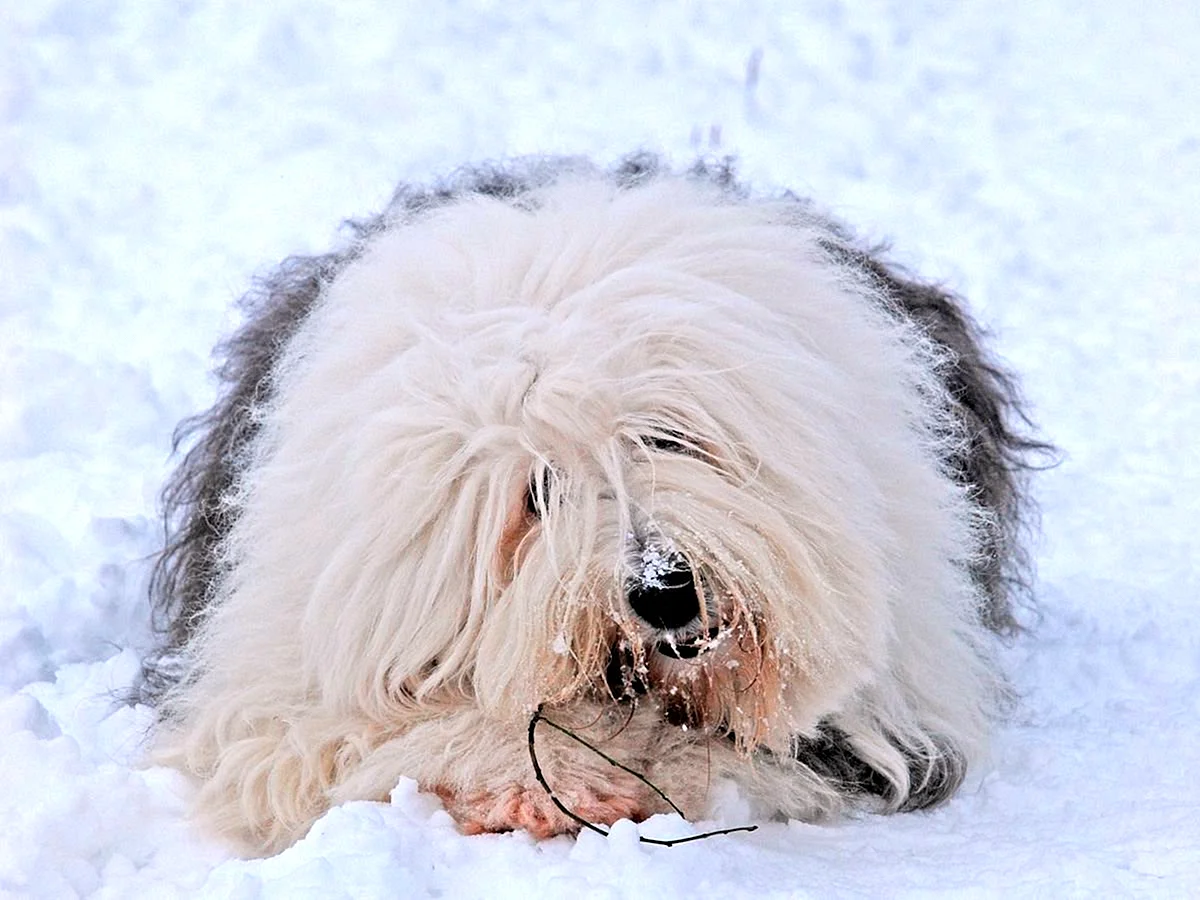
x,y
537,491
670,442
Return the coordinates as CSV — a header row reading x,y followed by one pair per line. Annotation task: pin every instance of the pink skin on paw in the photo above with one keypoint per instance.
x,y
532,809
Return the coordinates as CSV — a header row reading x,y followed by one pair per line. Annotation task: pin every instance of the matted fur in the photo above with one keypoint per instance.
x,y
447,453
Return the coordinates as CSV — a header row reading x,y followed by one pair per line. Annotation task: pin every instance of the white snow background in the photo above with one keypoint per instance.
x,y
1043,158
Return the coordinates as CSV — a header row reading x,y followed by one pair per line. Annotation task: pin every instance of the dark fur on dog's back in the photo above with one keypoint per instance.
x,y
197,507
197,511
996,455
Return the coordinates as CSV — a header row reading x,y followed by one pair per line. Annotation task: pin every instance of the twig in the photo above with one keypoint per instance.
x,y
573,736
537,771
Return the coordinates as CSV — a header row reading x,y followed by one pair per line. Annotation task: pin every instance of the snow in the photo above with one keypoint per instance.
x,y
658,560
1044,159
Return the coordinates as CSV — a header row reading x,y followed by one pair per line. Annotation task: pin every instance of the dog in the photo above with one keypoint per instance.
x,y
689,471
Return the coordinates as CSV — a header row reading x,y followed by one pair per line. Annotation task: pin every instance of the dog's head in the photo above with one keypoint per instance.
x,y
603,445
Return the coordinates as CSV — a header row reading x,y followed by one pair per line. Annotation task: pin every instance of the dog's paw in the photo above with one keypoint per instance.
x,y
532,809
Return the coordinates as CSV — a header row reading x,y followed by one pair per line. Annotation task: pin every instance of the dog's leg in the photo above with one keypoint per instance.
x,y
481,769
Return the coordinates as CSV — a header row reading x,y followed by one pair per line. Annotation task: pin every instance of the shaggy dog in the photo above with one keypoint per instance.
x,y
691,471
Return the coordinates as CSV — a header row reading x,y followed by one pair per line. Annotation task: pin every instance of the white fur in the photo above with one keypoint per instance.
x,y
371,627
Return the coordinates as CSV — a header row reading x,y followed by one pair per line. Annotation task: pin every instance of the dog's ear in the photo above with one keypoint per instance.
x,y
933,775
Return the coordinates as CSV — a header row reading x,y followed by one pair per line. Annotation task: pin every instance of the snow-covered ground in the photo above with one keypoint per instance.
x,y
1043,158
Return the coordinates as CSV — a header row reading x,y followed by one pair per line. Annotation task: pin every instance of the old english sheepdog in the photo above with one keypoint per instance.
x,y
691,471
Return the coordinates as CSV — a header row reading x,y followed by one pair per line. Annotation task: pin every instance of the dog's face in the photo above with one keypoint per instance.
x,y
600,482
631,551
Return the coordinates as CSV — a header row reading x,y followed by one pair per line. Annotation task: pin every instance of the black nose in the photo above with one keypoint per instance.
x,y
669,601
